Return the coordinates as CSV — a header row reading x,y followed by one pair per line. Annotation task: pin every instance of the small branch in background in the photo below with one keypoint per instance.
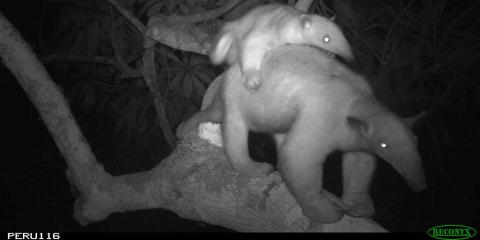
x,y
393,27
411,121
195,18
323,8
150,74
126,71
129,16
304,5
114,42
40,26
365,43
355,34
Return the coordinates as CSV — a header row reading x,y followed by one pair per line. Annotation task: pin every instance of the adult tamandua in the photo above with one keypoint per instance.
x,y
313,105
250,37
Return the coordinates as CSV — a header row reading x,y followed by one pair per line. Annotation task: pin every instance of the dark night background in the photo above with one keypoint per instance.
x,y
419,56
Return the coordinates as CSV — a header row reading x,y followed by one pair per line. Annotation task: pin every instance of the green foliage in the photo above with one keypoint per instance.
x,y
85,29
182,7
187,76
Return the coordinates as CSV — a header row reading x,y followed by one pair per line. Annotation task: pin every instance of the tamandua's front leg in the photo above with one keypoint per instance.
x,y
252,53
235,136
358,168
301,161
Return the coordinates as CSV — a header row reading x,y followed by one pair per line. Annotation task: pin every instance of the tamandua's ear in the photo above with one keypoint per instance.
x,y
359,125
221,47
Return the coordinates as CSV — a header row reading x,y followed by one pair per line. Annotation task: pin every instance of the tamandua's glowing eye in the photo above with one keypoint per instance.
x,y
383,145
326,38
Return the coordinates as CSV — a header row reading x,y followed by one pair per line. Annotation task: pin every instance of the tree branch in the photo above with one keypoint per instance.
x,y
126,72
150,74
195,18
130,17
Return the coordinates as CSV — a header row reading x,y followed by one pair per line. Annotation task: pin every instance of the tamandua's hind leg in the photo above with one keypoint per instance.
x,y
251,56
235,137
358,168
301,161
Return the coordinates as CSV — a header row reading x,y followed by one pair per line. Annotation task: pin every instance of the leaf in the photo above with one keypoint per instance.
x,y
184,9
198,86
151,8
198,60
178,79
142,120
104,103
120,124
463,59
174,58
172,4
202,76
187,87
86,42
90,96
344,10
176,82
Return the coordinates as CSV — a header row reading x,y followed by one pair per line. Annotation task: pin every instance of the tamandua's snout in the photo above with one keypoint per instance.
x,y
324,33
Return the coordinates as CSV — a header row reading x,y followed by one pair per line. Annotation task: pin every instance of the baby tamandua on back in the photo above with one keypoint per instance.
x,y
264,28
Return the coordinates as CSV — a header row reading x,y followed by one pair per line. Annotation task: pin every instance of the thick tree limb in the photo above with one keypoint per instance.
x,y
32,76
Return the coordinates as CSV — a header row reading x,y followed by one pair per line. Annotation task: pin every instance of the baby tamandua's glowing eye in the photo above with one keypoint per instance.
x,y
326,38
383,145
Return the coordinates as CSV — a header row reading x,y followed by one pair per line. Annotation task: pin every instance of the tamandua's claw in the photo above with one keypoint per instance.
x,y
323,208
358,204
251,80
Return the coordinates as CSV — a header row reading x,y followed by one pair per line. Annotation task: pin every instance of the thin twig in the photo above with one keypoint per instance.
x,y
113,41
91,60
213,14
131,18
304,5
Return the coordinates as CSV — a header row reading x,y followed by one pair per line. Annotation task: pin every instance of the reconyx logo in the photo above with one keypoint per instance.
x,y
450,232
